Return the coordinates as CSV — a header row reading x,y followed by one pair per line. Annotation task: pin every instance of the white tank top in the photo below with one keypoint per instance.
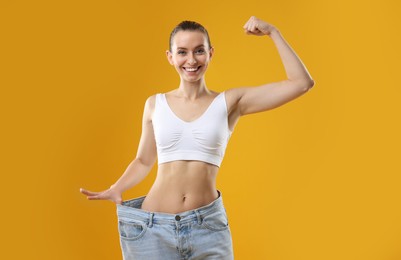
x,y
204,139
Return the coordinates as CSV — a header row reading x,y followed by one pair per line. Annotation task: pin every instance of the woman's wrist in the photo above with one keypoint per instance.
x,y
274,32
115,188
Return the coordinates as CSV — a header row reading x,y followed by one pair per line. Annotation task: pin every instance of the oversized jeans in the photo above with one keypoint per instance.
x,y
201,233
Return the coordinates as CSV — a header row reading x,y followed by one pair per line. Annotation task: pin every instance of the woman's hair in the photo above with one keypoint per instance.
x,y
189,26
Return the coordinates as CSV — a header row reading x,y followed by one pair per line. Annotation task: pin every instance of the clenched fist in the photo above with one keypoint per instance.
x,y
255,26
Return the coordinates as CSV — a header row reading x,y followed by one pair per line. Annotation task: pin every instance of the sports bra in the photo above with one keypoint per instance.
x,y
203,139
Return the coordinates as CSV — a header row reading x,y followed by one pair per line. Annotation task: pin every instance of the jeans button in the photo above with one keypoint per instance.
x,y
178,218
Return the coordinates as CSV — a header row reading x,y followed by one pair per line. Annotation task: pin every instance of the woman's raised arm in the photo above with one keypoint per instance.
x,y
271,95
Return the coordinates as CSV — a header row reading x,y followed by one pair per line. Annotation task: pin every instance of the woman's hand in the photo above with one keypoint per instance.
x,y
255,26
109,194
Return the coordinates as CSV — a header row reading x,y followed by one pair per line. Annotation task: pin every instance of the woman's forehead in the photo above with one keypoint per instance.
x,y
189,39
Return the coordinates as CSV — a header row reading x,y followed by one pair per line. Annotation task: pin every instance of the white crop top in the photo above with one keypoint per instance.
x,y
203,139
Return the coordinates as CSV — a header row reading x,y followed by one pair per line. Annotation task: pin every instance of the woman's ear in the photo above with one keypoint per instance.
x,y
169,57
211,52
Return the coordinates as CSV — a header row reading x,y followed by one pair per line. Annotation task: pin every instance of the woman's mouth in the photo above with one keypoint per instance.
x,y
191,69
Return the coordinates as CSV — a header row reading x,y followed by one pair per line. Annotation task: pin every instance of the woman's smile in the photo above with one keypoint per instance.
x,y
191,70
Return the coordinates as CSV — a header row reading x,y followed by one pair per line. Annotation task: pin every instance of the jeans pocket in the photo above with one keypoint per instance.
x,y
131,230
216,221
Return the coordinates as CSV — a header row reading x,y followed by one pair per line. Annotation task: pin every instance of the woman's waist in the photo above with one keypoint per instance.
x,y
181,186
131,209
168,198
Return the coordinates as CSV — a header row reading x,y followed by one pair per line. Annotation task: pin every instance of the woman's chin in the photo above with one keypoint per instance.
x,y
191,79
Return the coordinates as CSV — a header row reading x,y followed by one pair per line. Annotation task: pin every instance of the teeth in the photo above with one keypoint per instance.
x,y
191,69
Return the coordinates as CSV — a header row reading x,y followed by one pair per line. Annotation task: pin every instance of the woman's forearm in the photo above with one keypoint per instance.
x,y
134,174
295,69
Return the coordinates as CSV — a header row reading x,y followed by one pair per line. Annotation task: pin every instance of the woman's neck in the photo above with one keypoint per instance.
x,y
192,90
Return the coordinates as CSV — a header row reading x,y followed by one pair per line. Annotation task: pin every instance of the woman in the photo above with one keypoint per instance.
x,y
187,129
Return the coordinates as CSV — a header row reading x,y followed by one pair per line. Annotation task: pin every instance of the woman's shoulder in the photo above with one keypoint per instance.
x,y
234,94
151,101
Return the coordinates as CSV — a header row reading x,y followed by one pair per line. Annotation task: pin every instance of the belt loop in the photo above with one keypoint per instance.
x,y
151,220
198,216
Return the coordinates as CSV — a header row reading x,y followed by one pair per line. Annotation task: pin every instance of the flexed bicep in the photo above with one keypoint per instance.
x,y
268,96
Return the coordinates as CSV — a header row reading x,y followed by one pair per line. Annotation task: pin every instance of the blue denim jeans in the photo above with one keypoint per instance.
x,y
201,233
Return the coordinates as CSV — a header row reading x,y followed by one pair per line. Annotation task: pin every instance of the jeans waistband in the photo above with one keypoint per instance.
x,y
131,209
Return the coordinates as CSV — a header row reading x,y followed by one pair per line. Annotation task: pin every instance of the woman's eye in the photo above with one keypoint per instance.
x,y
201,51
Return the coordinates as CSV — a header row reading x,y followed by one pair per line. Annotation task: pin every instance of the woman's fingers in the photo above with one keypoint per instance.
x,y
97,197
248,24
109,194
252,27
88,193
92,195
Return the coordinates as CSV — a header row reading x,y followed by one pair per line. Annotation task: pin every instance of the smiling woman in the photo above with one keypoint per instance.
x,y
190,51
187,131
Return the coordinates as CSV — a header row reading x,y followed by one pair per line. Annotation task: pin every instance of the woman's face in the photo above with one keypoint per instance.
x,y
190,54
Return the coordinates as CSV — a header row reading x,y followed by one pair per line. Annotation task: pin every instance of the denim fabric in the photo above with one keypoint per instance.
x,y
201,233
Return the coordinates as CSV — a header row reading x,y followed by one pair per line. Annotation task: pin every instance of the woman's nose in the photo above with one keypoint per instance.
x,y
191,59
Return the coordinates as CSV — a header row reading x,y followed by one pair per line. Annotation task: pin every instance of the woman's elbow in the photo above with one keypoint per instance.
x,y
309,84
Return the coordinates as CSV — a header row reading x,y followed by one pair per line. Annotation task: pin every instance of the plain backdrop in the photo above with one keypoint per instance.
x,y
317,178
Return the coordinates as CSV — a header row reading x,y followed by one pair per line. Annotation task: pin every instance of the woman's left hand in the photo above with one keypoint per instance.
x,y
255,26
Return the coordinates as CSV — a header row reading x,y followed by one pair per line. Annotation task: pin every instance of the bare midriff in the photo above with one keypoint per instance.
x,y
181,186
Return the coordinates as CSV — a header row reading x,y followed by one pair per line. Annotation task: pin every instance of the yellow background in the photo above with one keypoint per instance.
x,y
318,178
